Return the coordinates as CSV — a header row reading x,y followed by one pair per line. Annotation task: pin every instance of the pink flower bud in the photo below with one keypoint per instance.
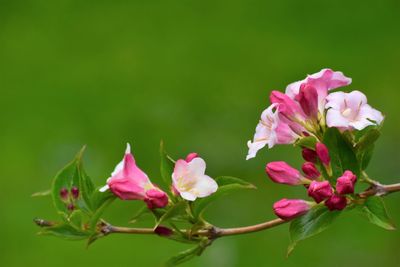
x,y
286,106
308,99
191,156
309,155
320,191
323,153
64,193
345,183
336,202
310,170
156,198
283,173
163,231
287,209
75,192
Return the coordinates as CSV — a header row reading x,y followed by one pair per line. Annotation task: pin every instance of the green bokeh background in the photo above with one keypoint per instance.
x,y
196,74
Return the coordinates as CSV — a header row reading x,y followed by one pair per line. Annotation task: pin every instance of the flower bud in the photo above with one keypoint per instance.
x,y
309,155
287,106
191,156
283,173
310,170
308,99
336,202
163,231
70,207
64,193
287,209
320,191
156,199
323,153
345,183
75,192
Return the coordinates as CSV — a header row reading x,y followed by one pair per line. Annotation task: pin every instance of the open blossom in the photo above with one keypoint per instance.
x,y
128,182
190,181
349,111
322,82
270,131
288,209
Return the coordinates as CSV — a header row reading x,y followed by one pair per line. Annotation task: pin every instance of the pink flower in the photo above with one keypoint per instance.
x,y
190,181
309,155
128,182
288,209
282,173
308,100
191,156
310,170
349,111
323,153
320,191
345,183
322,81
270,131
336,202
287,106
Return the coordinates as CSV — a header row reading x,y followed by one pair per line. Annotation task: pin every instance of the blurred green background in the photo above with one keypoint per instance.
x,y
196,74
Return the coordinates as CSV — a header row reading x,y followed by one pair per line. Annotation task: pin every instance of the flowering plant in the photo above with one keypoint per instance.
x,y
335,131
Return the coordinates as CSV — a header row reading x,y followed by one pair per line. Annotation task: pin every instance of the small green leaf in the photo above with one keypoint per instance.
x,y
307,142
342,155
375,211
365,146
177,209
140,213
226,185
166,166
64,231
99,200
313,222
184,256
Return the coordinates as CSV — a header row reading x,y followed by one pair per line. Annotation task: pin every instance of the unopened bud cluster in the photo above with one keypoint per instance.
x,y
69,197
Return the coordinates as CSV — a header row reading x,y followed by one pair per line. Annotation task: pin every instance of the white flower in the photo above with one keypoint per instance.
x,y
350,111
190,181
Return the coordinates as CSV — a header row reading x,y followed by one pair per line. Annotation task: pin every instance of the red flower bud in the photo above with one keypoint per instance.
x,y
75,192
70,207
309,155
345,183
64,193
287,209
320,191
283,173
156,199
323,153
310,170
336,202
191,156
308,99
163,231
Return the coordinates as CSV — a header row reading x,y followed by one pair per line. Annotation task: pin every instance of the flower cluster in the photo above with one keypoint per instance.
x,y
129,182
308,109
69,197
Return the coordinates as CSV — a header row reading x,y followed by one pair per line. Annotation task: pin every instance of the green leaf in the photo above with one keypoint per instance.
x,y
375,211
140,213
307,142
99,200
184,256
177,209
365,146
313,222
70,176
226,185
342,155
64,231
166,166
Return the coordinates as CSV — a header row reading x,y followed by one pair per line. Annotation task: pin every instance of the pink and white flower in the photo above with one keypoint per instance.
x,y
322,82
190,181
270,130
128,182
349,111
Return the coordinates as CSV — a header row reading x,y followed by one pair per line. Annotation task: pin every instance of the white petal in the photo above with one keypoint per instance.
x,y
292,90
205,186
188,196
334,118
128,148
368,112
335,100
104,188
196,167
118,168
254,147
355,100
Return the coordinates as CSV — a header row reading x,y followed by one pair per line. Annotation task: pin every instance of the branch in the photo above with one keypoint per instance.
x,y
215,232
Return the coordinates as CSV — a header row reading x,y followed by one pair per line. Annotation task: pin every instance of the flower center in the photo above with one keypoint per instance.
x,y
346,112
